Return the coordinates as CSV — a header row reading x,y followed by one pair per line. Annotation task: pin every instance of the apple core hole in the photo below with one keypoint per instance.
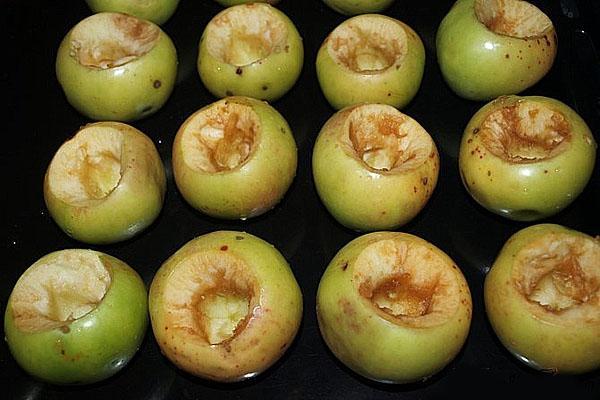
x,y
525,132
87,167
368,43
108,40
406,283
59,289
559,272
514,18
387,140
220,138
244,34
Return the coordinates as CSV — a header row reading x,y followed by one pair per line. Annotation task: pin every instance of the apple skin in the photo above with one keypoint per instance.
x,y
361,198
353,7
530,191
252,188
229,3
128,92
94,347
130,208
266,79
541,343
396,86
479,64
375,347
157,11
268,334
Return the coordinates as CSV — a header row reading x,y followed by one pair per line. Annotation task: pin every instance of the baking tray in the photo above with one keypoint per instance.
x,y
37,119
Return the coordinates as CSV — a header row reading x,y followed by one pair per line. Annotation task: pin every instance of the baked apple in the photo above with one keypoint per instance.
x,y
157,11
353,7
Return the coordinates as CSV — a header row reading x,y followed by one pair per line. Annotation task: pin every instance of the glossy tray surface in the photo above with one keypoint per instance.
x,y
38,119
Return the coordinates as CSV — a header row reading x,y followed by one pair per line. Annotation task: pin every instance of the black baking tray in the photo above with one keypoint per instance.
x,y
37,119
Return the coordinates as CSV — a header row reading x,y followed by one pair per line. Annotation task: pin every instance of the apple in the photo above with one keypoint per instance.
x,y
542,298
374,167
229,3
76,317
250,50
157,11
106,184
225,306
371,59
488,48
116,67
393,307
353,7
526,158
235,158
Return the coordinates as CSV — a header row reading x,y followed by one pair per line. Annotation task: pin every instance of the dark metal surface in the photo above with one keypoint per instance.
x,y
37,119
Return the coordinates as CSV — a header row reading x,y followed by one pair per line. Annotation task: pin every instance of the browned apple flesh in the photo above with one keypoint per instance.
x,y
514,18
221,137
407,283
368,44
210,296
245,34
525,132
561,274
62,289
108,40
385,139
87,167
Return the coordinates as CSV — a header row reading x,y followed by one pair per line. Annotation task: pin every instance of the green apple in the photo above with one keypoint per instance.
x,y
374,168
229,3
488,48
106,184
250,50
542,298
114,66
393,307
235,158
157,11
526,158
353,7
76,317
371,59
225,306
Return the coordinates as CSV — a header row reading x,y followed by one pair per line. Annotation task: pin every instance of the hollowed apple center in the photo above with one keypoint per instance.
x,y
514,18
211,295
60,290
385,139
367,44
560,273
525,132
108,40
245,34
87,167
221,137
406,283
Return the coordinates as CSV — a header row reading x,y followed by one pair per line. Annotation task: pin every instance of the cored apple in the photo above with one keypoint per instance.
x,y
225,306
353,7
106,184
526,158
371,59
393,307
374,168
113,66
76,317
235,158
542,297
488,48
250,50
157,11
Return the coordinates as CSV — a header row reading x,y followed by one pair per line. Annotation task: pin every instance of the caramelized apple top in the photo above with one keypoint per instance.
x,y
108,40
368,43
60,289
514,18
244,34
